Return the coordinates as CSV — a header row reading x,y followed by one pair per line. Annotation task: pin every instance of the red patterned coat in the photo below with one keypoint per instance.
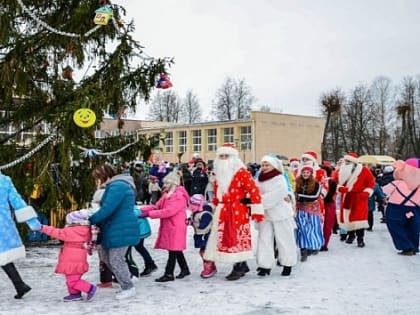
x,y
355,192
230,236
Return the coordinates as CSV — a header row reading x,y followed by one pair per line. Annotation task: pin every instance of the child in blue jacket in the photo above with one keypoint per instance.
x,y
201,220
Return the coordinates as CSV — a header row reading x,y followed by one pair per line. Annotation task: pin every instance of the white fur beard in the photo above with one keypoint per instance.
x,y
344,173
225,170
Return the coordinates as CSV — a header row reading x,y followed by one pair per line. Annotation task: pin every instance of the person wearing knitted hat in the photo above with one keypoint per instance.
x,y
355,185
403,210
278,223
171,209
237,198
201,220
72,259
308,213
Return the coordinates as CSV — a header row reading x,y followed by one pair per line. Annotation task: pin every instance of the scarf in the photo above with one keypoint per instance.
x,y
266,176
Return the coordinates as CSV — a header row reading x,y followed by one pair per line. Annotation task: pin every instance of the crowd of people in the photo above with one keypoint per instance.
x,y
295,205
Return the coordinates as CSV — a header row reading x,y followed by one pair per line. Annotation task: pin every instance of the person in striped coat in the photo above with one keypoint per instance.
x,y
308,213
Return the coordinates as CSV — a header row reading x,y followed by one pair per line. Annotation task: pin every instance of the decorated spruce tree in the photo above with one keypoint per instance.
x,y
63,64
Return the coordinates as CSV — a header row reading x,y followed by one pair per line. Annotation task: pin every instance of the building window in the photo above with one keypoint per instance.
x,y
169,142
114,132
182,141
99,134
196,140
228,135
211,140
246,137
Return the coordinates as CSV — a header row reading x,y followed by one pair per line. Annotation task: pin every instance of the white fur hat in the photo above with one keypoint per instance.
x,y
274,161
227,148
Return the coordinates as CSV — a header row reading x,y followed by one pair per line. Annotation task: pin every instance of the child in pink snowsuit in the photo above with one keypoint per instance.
x,y
72,259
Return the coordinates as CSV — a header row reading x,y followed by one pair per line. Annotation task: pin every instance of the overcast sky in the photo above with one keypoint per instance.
x,y
289,52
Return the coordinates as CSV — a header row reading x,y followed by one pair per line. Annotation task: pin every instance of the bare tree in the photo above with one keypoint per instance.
x,y
233,100
243,99
331,105
362,122
191,108
382,100
408,110
165,106
265,108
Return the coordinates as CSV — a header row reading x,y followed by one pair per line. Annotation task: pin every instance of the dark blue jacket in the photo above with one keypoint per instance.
x,y
115,218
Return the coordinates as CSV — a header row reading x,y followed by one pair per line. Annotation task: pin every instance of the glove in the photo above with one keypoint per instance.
x,y
343,189
34,224
246,201
257,217
144,215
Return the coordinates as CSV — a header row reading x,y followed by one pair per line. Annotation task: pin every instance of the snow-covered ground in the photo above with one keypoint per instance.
x,y
344,280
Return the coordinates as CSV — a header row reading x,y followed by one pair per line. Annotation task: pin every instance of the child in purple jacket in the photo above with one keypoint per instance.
x,y
72,259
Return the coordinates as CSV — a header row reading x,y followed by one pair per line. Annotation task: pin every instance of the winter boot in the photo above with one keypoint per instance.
x,y
243,267
360,243
303,254
92,292
286,271
185,271
165,278
262,272
21,287
350,237
148,269
360,235
73,297
343,237
209,269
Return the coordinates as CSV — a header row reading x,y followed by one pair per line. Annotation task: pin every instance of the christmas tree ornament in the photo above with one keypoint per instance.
x,y
102,15
84,117
163,82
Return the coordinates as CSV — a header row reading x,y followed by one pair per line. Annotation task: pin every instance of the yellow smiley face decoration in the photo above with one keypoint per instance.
x,y
84,117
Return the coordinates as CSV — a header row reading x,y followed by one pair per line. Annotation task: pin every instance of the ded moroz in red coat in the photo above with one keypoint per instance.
x,y
353,213
230,236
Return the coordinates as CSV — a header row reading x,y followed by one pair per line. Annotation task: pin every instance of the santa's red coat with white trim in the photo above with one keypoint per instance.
x,y
353,214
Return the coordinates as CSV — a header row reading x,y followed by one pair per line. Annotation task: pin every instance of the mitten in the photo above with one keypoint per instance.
x,y
34,224
246,201
343,189
257,217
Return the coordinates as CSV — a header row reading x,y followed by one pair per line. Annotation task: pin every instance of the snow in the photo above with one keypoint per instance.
x,y
344,280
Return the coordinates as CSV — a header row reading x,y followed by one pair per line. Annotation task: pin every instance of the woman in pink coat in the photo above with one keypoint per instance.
x,y
72,260
172,236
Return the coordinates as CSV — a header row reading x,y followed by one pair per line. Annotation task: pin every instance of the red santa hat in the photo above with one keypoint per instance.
x,y
307,168
227,148
293,159
310,155
352,157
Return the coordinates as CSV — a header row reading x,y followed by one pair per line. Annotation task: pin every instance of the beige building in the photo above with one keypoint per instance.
x,y
264,132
